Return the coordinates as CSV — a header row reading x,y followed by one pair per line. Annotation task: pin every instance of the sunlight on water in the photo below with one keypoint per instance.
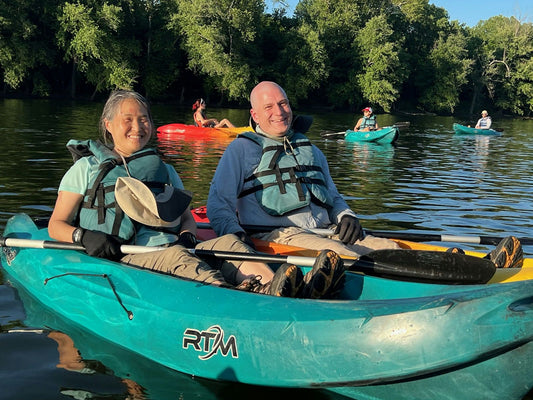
x,y
431,181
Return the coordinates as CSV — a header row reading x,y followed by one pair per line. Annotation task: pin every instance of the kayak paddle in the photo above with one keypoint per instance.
x,y
413,237
407,265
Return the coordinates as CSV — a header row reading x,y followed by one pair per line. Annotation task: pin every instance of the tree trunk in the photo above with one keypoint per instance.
x,y
73,81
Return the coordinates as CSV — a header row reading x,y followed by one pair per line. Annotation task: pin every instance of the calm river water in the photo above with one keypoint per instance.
x,y
431,181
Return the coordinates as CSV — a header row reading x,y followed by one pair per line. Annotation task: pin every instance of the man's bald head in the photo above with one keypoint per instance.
x,y
270,108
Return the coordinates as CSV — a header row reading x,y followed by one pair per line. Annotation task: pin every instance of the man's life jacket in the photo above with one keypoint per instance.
x,y
288,176
484,122
99,210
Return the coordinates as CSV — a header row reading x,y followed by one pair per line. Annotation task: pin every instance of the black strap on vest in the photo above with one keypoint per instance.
x,y
98,192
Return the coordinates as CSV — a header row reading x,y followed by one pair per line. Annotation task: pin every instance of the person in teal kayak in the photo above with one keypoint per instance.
x,y
273,177
120,192
200,117
485,121
367,122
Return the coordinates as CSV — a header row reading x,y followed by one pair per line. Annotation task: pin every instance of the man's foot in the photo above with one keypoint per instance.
x,y
508,253
288,281
326,279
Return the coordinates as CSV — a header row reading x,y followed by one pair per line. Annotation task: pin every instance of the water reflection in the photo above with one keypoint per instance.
x,y
85,366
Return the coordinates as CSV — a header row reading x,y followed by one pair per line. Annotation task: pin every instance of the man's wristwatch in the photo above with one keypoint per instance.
x,y
77,235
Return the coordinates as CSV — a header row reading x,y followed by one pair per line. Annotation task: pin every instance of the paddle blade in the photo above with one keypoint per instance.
x,y
332,135
426,266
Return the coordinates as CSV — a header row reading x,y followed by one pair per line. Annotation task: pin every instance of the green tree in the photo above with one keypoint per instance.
x,y
337,24
25,44
451,64
421,24
218,36
382,72
505,54
291,55
88,35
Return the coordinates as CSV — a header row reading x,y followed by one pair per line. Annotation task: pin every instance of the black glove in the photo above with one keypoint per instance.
x,y
100,244
187,240
243,237
349,230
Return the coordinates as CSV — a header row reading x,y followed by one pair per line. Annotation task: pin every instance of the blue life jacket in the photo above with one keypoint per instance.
x,y
99,210
288,176
368,122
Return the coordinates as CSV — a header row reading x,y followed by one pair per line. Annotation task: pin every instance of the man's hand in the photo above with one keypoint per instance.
x,y
349,230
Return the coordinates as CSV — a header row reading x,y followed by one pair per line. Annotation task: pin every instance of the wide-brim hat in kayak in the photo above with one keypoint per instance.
x,y
142,205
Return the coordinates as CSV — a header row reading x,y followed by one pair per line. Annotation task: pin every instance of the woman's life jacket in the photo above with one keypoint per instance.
x,y
99,210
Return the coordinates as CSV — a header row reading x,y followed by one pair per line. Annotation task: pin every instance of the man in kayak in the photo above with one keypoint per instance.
x,y
273,176
485,121
367,122
121,192
200,118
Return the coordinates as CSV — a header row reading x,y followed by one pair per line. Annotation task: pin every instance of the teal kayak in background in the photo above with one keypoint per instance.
x,y
382,339
465,130
388,134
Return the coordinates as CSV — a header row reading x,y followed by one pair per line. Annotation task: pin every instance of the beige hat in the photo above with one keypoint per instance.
x,y
140,204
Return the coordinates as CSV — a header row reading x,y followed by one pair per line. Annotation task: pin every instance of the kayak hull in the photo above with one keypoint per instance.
x,y
465,130
181,131
388,134
382,339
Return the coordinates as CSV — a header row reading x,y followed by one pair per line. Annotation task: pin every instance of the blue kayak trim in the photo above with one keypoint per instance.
x,y
466,130
388,134
383,339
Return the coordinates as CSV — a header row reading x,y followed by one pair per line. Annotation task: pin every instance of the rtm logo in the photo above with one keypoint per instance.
x,y
213,340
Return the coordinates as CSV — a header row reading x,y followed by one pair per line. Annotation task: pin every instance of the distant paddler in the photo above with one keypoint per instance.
x,y
367,122
485,121
200,117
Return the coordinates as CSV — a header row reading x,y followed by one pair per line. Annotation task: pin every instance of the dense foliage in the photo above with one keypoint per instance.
x,y
390,54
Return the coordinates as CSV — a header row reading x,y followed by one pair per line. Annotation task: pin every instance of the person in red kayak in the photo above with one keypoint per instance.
x,y
367,122
200,117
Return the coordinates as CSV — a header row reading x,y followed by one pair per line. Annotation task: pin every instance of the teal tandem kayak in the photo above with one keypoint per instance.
x,y
466,130
383,339
388,134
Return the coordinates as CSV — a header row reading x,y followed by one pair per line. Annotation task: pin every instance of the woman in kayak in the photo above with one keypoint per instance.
x,y
200,118
367,122
121,192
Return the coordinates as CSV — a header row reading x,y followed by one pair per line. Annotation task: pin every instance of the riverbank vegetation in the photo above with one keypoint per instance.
x,y
395,55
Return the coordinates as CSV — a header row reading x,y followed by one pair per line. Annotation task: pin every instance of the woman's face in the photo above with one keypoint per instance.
x,y
130,127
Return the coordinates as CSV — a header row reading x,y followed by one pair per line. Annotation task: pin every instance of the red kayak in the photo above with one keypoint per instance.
x,y
183,131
